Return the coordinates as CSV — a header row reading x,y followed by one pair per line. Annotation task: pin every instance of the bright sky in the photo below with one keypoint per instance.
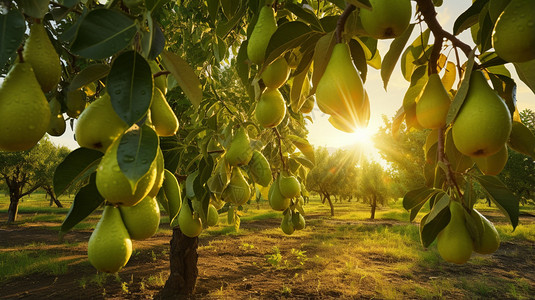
x,y
322,133
382,102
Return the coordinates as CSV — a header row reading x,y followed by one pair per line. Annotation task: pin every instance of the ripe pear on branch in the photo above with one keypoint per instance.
x,y
57,125
264,28
163,117
432,104
454,242
143,219
239,152
387,19
276,73
277,200
189,223
271,108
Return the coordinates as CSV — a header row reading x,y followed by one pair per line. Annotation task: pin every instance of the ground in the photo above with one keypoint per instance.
x,y
348,256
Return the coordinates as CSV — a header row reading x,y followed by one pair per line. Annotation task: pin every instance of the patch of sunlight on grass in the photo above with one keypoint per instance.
x,y
227,230
263,216
25,262
521,233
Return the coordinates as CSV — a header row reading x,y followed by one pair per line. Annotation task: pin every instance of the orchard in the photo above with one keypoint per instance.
x,y
197,108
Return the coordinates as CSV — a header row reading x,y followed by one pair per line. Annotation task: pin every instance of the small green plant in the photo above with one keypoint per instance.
x,y
124,287
275,258
246,246
286,290
299,255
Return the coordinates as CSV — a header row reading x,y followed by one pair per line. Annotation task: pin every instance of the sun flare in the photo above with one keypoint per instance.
x,y
363,137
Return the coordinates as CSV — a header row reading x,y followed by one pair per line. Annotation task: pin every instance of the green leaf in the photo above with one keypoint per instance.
x,y
359,58
78,165
223,28
526,73
153,5
12,28
304,14
442,203
34,8
458,100
90,74
213,8
391,57
130,85
522,139
86,201
190,180
102,33
287,36
296,99
241,65
416,197
136,153
469,17
304,146
322,54
430,230
162,199
486,27
184,75
498,193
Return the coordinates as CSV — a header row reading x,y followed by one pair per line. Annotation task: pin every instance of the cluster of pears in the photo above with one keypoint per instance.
x,y
284,195
24,111
340,92
455,243
387,19
513,36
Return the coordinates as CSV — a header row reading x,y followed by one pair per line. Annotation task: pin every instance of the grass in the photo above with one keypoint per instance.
x,y
26,262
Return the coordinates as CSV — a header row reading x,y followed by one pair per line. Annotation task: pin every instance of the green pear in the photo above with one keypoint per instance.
x,y
454,242
76,103
98,125
190,225
264,28
276,73
387,19
143,219
239,152
24,111
162,116
113,185
173,195
289,186
513,37
286,224
298,221
259,169
237,191
276,200
160,81
213,216
57,125
489,239
308,105
160,164
109,247
40,53
340,91
220,179
483,124
270,109
432,104
494,164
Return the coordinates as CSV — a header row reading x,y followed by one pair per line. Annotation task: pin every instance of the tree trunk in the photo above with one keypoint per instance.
x,y
330,204
183,265
13,208
374,206
53,198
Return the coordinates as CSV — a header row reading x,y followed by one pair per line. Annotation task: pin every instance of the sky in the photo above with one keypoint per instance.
x,y
382,102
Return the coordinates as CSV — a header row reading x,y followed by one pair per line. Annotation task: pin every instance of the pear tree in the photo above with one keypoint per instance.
x,y
183,80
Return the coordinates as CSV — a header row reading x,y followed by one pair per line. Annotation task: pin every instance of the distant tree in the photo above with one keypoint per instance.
x,y
24,172
55,157
372,185
404,152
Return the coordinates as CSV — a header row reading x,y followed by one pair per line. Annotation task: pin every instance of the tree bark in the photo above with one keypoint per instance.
x,y
53,198
374,206
330,204
183,265
13,208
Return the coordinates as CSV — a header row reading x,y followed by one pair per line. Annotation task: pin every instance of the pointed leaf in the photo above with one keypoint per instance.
x,y
498,193
78,165
458,100
90,74
287,36
322,54
392,56
12,28
526,73
184,75
416,197
304,146
34,8
430,230
304,14
522,139
469,17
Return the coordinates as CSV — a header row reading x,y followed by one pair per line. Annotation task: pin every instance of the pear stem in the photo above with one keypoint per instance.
x,y
277,133
341,23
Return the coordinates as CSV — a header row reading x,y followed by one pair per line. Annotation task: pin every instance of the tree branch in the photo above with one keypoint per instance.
x,y
280,148
340,24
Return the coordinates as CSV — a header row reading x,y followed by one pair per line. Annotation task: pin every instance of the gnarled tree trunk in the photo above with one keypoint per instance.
x,y
374,206
13,210
183,265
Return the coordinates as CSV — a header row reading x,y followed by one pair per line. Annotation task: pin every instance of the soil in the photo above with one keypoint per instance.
x,y
235,266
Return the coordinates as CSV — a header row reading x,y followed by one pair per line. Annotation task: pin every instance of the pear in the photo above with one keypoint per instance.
x,y
57,124
24,111
387,19
40,53
160,81
276,200
308,105
298,221
433,104
231,216
212,217
76,103
264,28
483,124
494,164
141,220
340,91
287,225
513,37
190,225
489,239
162,116
113,185
237,191
98,125
160,164
289,186
172,192
454,242
276,73
109,247
239,152
270,109
260,169
219,180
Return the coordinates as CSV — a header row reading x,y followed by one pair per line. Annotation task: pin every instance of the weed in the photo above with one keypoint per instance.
x,y
246,246
286,290
275,258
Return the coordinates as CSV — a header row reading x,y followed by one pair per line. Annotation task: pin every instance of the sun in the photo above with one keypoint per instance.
x,y
363,137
